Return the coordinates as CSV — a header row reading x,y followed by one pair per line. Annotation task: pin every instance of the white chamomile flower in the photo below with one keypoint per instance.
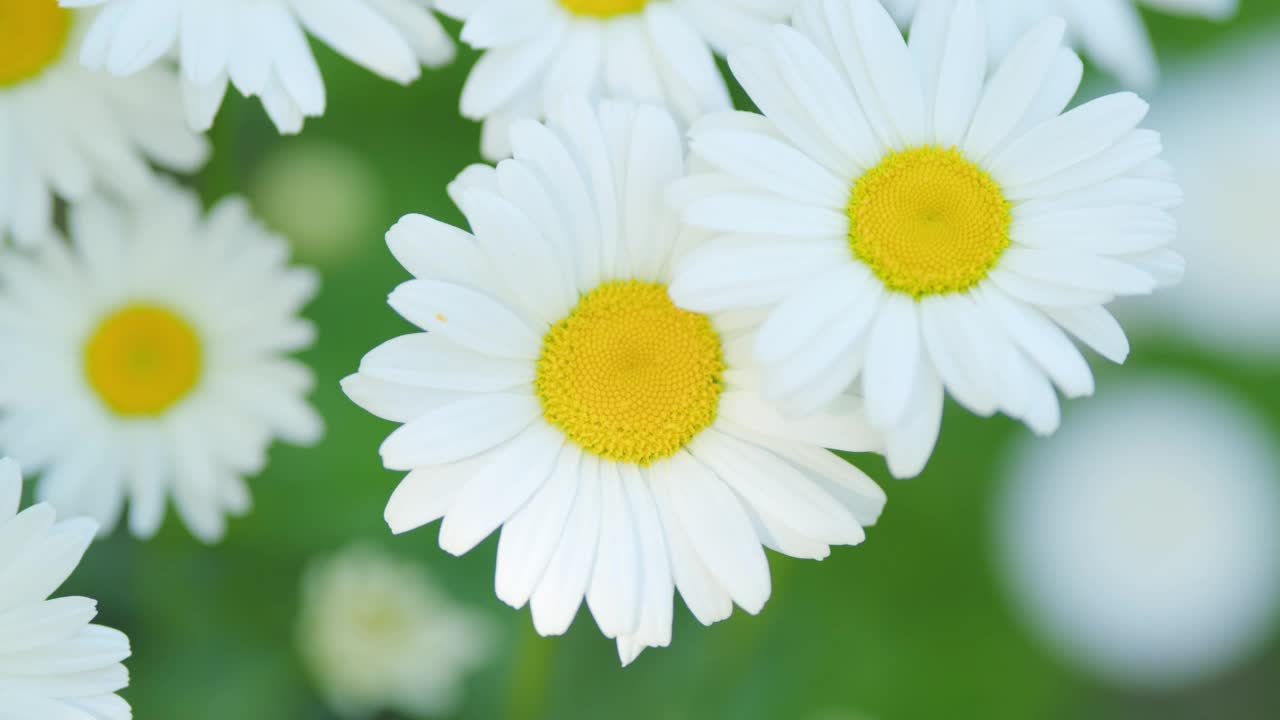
x,y
658,51
1110,32
377,633
913,225
618,441
53,663
260,47
1226,228
67,132
154,360
1140,542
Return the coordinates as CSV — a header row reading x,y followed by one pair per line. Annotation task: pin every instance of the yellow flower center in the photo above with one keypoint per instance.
x,y
32,36
142,359
629,376
603,8
928,221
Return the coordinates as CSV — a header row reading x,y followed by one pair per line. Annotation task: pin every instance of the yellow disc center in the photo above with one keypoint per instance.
x,y
629,376
32,36
603,8
142,359
927,221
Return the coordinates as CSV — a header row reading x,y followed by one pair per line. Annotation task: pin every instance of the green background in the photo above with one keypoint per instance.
x,y
913,624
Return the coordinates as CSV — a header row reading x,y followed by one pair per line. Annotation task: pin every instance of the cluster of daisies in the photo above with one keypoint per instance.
x,y
666,314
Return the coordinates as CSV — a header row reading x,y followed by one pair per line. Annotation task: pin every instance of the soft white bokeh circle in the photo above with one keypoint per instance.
x,y
1141,541
1217,117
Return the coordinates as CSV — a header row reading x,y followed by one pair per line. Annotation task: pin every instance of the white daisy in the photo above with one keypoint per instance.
x,y
154,360
658,51
1141,541
53,663
66,132
1227,229
1110,32
911,225
558,393
260,47
377,633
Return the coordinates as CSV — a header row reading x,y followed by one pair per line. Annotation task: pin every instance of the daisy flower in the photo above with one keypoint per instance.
x,y
154,360
657,51
1110,32
1227,230
66,132
378,633
53,663
260,47
1140,542
618,441
910,225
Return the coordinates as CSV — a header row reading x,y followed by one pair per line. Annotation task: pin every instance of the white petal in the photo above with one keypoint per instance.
x,y
459,430
614,592
471,319
516,471
893,351
720,531
530,537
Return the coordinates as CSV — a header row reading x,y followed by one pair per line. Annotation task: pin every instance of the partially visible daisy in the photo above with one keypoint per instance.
x,y
260,47
154,360
53,663
66,132
1110,32
378,634
658,51
1227,227
620,443
910,225
1141,542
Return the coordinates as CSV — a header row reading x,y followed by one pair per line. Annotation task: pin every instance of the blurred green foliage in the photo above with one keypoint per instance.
x,y
912,625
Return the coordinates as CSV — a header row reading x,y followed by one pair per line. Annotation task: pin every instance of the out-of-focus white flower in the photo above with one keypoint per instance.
x,y
53,663
657,51
377,634
1109,32
1230,300
154,360
1141,542
260,47
67,132
322,195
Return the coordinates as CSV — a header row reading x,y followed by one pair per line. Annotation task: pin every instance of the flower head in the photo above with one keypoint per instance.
x,y
621,443
53,662
155,360
910,224
261,47
67,133
656,51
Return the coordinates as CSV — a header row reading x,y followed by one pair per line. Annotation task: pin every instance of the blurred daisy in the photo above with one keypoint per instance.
x,y
912,226
1141,541
154,360
1227,229
378,634
1110,32
53,663
658,51
259,46
619,442
66,132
